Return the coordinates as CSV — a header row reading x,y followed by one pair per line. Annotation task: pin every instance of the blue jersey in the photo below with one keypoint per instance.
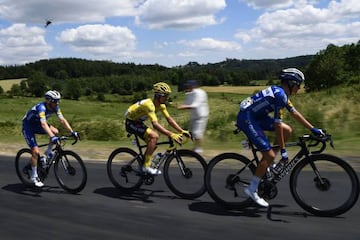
x,y
271,99
40,113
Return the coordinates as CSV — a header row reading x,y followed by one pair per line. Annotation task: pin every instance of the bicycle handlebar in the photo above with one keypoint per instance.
x,y
66,137
316,140
171,141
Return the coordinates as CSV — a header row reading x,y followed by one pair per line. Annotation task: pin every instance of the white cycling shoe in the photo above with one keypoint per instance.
x,y
37,182
151,170
254,196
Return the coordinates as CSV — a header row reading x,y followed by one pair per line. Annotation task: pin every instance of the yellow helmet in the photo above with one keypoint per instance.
x,y
161,88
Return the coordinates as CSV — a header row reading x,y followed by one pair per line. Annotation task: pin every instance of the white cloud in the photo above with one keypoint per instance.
x,y
210,44
303,29
273,4
61,11
179,14
20,44
102,41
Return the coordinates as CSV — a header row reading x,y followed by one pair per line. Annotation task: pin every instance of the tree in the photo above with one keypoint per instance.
x,y
37,83
326,69
72,89
15,90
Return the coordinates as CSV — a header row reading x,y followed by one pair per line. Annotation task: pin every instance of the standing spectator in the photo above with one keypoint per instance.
x,y
196,100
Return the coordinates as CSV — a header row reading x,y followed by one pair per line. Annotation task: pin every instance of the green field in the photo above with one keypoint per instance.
x,y
7,84
101,124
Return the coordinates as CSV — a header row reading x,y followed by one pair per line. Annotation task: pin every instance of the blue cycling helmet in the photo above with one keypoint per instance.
x,y
292,76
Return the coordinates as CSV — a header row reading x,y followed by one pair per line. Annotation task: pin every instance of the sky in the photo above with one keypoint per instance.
x,y
173,32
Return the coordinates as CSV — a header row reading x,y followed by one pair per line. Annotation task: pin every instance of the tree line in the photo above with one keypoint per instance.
x,y
79,77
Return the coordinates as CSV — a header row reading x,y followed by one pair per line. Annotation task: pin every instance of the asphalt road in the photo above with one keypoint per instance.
x,y
101,211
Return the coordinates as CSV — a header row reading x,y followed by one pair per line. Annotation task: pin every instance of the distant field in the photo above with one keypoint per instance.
x,y
237,89
6,84
232,89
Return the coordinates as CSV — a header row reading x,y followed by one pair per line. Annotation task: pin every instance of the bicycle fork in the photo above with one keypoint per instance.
x,y
185,171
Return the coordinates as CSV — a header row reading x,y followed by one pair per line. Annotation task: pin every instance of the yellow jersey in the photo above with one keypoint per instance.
x,y
144,109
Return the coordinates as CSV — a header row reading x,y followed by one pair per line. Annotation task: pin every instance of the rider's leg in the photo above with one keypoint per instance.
x,y
267,159
34,159
55,131
287,131
152,139
251,190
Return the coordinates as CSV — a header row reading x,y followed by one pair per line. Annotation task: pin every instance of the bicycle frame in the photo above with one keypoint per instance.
x,y
167,153
301,154
57,152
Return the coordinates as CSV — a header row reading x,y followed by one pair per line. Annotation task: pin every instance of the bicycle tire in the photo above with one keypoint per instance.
x,y
225,184
321,199
70,172
23,167
184,173
123,175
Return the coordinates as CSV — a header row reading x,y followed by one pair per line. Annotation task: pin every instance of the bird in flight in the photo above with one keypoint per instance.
x,y
48,22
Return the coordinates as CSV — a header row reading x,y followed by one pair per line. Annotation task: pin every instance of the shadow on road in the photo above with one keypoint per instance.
x,y
254,211
143,195
20,188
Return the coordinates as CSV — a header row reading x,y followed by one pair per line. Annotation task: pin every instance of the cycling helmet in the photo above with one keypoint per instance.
x,y
292,76
52,95
161,88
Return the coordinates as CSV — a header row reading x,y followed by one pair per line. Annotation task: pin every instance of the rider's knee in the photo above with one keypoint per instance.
x,y
153,135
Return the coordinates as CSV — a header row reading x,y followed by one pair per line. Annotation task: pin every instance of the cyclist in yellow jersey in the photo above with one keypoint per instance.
x,y
147,109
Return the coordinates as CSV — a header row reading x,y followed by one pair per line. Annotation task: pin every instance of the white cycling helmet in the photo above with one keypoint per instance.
x,y
52,95
292,76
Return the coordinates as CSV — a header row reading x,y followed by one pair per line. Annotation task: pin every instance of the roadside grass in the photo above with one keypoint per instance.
x,y
101,124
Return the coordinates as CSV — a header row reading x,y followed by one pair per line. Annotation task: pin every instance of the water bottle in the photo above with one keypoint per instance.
x,y
134,143
245,144
157,158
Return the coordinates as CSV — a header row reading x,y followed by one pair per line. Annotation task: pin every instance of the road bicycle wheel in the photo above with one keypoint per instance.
x,y
226,177
124,169
324,185
184,173
70,172
23,167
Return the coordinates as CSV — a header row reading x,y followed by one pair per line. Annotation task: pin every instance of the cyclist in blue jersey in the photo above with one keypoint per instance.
x,y
35,122
253,119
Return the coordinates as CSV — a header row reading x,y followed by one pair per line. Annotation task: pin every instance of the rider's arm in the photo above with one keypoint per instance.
x,y
63,120
174,124
161,129
47,129
66,124
301,119
169,119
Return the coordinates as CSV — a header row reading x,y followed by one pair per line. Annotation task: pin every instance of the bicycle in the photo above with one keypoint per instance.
x,y
69,168
183,169
321,184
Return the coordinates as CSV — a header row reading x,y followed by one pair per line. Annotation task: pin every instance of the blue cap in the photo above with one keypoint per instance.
x,y
191,83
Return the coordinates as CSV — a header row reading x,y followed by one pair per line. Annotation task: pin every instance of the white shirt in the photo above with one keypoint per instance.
x,y
198,101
